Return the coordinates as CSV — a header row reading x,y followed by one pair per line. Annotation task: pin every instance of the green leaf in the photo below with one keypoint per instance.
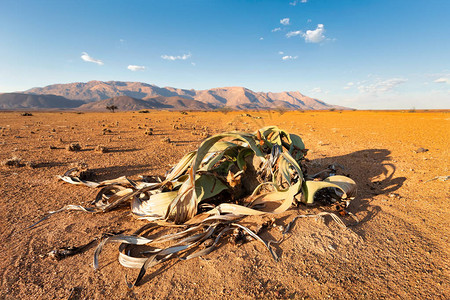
x,y
207,186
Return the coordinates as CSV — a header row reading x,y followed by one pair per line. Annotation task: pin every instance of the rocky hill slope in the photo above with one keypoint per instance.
x,y
233,97
17,101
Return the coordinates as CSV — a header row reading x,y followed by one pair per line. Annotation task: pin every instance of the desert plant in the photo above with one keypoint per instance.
x,y
111,107
210,191
13,162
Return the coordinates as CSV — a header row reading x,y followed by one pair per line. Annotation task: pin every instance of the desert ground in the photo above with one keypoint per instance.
x,y
399,250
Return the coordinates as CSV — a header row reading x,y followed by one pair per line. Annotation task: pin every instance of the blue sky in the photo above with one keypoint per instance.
x,y
366,54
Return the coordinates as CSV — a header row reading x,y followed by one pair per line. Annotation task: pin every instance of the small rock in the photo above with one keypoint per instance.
x,y
149,131
73,147
101,149
421,150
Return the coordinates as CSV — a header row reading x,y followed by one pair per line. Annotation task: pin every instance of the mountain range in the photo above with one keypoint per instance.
x,y
95,95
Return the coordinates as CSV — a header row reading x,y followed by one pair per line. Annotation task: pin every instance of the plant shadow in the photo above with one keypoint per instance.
x,y
118,171
374,174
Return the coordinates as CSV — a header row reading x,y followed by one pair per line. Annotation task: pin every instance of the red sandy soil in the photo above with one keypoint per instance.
x,y
400,249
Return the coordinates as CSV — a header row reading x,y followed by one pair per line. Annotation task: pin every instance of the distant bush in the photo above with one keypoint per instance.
x,y
111,107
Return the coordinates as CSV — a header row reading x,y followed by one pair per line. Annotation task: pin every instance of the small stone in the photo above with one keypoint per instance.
x,y
73,147
421,150
101,149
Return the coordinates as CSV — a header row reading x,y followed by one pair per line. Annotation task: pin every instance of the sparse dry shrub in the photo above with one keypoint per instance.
x,y
166,140
82,171
13,162
26,114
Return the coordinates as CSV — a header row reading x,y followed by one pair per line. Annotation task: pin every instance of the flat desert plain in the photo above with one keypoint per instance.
x,y
400,248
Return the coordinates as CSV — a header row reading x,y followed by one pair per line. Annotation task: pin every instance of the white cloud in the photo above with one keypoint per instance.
x,y
316,90
315,36
193,63
261,38
381,86
310,36
170,57
289,57
350,83
135,68
276,29
280,52
294,33
443,80
295,2
285,21
86,57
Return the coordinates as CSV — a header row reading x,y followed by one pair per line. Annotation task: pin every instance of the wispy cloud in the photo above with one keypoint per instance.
x,y
280,52
285,21
310,36
381,86
316,90
294,33
86,57
178,57
289,57
349,85
135,68
295,2
276,29
261,38
442,80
